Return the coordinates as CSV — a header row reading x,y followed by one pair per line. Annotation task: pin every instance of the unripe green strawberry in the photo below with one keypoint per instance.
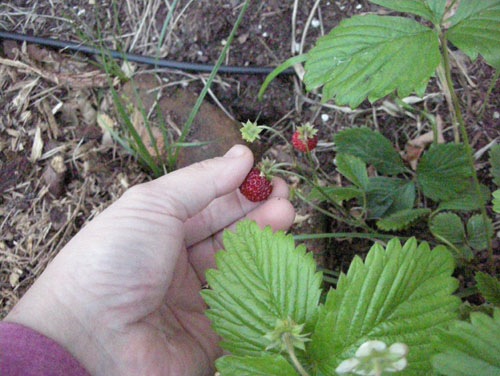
x,y
256,186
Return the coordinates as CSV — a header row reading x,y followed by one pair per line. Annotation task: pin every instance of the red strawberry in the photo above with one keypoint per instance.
x,y
256,187
304,139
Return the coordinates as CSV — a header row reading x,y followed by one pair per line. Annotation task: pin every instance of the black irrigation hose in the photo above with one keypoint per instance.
x,y
158,63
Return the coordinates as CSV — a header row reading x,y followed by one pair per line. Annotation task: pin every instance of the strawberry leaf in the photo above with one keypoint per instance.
x,y
260,278
449,229
372,148
479,232
496,201
476,29
335,194
489,287
444,172
431,10
448,226
385,196
401,220
398,294
264,365
353,168
470,348
371,57
495,163
468,200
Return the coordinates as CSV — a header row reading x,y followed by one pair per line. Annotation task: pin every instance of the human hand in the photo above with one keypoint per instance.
x,y
123,296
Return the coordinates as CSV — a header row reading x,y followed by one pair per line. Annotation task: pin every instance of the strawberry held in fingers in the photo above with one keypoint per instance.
x,y
257,185
305,139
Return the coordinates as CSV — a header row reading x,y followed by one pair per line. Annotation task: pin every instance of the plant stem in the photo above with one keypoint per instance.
x,y
347,235
166,23
328,213
293,357
465,138
488,94
442,76
344,216
358,222
220,60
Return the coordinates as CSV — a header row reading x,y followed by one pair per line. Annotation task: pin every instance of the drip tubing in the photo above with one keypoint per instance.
x,y
135,58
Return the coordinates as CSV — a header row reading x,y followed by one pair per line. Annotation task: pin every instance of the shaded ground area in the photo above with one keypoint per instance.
x,y
59,166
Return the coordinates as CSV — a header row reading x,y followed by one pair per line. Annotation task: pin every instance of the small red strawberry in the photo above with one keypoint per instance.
x,y
305,139
256,186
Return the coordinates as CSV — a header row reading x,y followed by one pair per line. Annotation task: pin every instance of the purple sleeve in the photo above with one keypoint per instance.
x,y
25,352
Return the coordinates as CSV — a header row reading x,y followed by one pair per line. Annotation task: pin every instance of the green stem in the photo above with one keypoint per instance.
x,y
465,138
488,94
166,23
344,215
323,211
293,357
187,126
347,235
274,132
442,76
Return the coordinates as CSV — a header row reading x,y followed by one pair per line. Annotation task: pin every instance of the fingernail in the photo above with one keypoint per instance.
x,y
235,151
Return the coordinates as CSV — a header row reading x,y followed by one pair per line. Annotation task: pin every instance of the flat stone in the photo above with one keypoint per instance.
x,y
212,129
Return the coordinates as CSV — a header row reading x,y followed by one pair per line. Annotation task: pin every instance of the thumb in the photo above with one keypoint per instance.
x,y
187,191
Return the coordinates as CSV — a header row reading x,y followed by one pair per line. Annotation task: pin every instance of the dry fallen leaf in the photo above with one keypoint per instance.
x,y
414,148
107,125
299,218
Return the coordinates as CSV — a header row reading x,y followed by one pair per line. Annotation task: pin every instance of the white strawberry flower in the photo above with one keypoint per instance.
x,y
373,358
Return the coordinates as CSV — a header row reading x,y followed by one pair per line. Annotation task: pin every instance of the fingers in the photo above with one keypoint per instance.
x,y
224,211
277,212
185,192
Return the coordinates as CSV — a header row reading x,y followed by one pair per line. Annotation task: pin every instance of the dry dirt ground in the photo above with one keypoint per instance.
x,y
59,166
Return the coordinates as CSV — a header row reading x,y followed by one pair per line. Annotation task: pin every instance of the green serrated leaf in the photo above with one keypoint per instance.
x,y
335,194
476,29
444,172
496,201
448,227
264,365
260,278
495,163
470,348
399,294
489,287
370,57
371,147
479,232
431,10
401,220
467,200
353,168
385,196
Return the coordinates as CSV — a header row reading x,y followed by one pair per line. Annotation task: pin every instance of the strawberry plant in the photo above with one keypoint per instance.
x,y
394,311
371,57
392,197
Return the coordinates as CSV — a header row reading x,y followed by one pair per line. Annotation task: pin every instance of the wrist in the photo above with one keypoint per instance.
x,y
41,310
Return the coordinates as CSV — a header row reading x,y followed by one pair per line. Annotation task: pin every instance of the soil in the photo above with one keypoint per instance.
x,y
55,106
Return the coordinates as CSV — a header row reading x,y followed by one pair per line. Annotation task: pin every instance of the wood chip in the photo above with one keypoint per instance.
x,y
54,176
37,148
